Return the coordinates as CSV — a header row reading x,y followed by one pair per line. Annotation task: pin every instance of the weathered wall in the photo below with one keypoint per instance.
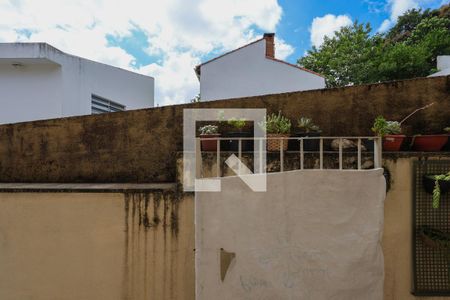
x,y
139,146
96,246
51,243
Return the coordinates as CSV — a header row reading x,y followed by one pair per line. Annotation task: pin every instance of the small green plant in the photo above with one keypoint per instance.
x,y
306,125
209,129
237,123
437,187
381,127
276,124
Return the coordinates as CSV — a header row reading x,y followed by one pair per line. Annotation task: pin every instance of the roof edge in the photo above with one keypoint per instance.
x,y
197,67
295,66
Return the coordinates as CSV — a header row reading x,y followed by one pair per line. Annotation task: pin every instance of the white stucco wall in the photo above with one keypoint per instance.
x,y
247,72
443,62
52,84
315,234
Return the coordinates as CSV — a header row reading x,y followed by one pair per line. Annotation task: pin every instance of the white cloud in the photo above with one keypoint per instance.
x,y
385,25
179,31
282,49
326,26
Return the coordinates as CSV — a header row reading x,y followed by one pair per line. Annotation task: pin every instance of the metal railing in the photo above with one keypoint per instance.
x,y
260,145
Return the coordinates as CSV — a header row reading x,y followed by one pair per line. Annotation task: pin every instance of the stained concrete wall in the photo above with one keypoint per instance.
x,y
96,246
139,146
51,243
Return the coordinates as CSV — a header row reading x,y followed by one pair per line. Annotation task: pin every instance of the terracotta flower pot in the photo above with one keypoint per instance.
x,y
275,144
393,142
209,145
430,142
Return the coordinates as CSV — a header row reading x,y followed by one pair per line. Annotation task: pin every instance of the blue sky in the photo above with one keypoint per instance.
x,y
166,39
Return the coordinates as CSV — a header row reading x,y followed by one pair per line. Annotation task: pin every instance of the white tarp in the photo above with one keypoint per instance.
x,y
315,234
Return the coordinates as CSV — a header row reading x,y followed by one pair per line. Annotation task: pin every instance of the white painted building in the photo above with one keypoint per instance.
x,y
443,66
253,70
37,81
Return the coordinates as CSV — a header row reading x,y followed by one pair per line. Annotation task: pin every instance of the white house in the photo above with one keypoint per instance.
x,y
443,66
37,81
253,70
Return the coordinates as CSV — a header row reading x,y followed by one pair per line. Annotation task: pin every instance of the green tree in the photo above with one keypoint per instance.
x,y
345,58
406,24
429,25
401,61
409,49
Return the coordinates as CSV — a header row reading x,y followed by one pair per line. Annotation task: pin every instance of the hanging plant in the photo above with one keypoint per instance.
x,y
437,185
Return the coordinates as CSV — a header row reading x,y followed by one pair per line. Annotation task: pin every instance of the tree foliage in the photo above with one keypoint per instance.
x,y
354,55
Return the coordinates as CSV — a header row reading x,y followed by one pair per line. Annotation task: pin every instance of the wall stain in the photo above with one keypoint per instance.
x,y
144,213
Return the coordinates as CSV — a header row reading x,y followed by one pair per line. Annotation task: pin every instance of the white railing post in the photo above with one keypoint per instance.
x,y
340,154
260,156
302,158
377,153
218,158
198,158
321,153
281,155
239,154
359,154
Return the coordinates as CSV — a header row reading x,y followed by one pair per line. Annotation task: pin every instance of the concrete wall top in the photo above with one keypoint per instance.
x,y
141,145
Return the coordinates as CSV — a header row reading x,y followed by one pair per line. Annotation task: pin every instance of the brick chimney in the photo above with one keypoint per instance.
x,y
270,44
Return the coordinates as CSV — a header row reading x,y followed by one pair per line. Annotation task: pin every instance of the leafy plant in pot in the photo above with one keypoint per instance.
x,y
210,133
277,127
233,144
430,142
391,131
306,128
437,185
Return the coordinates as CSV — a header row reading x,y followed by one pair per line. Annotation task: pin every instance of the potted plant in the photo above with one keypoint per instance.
x,y
437,185
433,142
209,132
238,126
390,131
434,238
277,127
306,128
